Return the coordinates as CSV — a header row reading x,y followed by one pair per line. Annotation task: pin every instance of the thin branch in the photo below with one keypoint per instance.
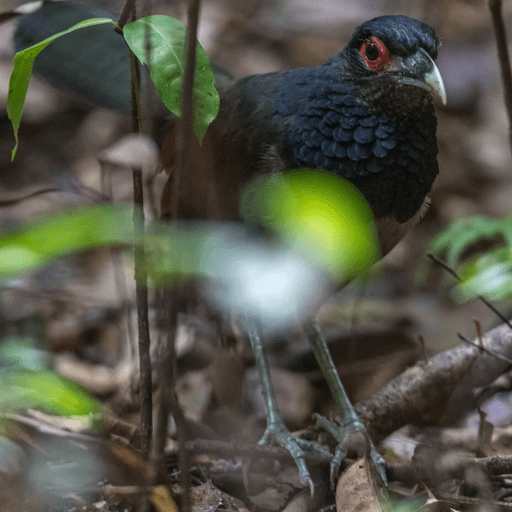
x,y
483,349
506,73
224,449
185,132
141,277
411,472
126,13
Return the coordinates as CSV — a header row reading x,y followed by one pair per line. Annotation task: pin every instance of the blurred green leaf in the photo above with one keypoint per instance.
x,y
489,274
45,391
317,214
20,76
314,214
175,251
22,352
461,235
38,243
167,66
241,269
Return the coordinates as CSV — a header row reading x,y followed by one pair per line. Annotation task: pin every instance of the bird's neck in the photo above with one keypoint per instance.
x,y
396,101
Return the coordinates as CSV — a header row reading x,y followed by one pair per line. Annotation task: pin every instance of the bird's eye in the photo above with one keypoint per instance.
x,y
374,53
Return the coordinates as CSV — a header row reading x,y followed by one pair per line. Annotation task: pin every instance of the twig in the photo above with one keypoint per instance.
x,y
506,73
126,13
421,339
481,347
450,270
479,335
411,472
231,450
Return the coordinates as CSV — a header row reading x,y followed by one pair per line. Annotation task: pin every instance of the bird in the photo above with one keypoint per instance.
x,y
366,115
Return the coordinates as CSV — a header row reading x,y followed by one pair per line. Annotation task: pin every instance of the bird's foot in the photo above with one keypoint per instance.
x,y
350,437
277,434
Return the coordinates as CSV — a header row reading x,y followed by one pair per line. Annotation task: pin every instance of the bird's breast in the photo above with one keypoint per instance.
x,y
390,231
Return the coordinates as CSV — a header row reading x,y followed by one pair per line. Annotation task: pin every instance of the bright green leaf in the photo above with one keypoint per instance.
x,y
318,214
166,60
46,391
38,243
20,76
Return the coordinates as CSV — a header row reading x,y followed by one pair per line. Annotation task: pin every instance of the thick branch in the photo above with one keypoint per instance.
x,y
438,392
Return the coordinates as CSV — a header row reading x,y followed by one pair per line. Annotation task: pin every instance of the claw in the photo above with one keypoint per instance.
x,y
277,434
350,436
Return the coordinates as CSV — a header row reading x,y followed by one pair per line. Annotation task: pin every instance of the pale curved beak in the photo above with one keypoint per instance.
x,y
435,83
420,70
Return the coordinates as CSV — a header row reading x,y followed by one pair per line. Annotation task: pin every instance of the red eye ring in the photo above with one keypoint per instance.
x,y
383,57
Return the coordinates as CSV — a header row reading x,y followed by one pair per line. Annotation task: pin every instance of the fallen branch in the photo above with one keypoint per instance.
x,y
438,392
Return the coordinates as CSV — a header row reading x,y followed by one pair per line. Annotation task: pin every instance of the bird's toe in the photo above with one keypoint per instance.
x,y
352,438
278,435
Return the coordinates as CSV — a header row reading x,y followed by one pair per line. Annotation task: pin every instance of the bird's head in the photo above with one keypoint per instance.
x,y
394,50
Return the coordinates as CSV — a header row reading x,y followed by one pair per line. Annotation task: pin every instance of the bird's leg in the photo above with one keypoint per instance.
x,y
351,431
276,432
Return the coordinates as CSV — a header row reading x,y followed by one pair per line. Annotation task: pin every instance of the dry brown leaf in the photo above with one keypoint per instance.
x,y
435,505
360,488
162,500
300,503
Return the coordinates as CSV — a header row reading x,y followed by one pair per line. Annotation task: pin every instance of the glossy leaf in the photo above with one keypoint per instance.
x,y
20,76
85,62
166,60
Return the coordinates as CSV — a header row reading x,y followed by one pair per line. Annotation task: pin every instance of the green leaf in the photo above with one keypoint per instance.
x,y
462,234
22,352
38,243
44,390
318,214
85,62
489,275
20,76
166,60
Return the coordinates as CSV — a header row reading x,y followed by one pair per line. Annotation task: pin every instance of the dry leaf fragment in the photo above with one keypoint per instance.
x,y
360,488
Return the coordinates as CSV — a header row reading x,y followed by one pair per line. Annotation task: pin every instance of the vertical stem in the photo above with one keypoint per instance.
x,y
506,73
141,279
185,134
185,125
141,291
